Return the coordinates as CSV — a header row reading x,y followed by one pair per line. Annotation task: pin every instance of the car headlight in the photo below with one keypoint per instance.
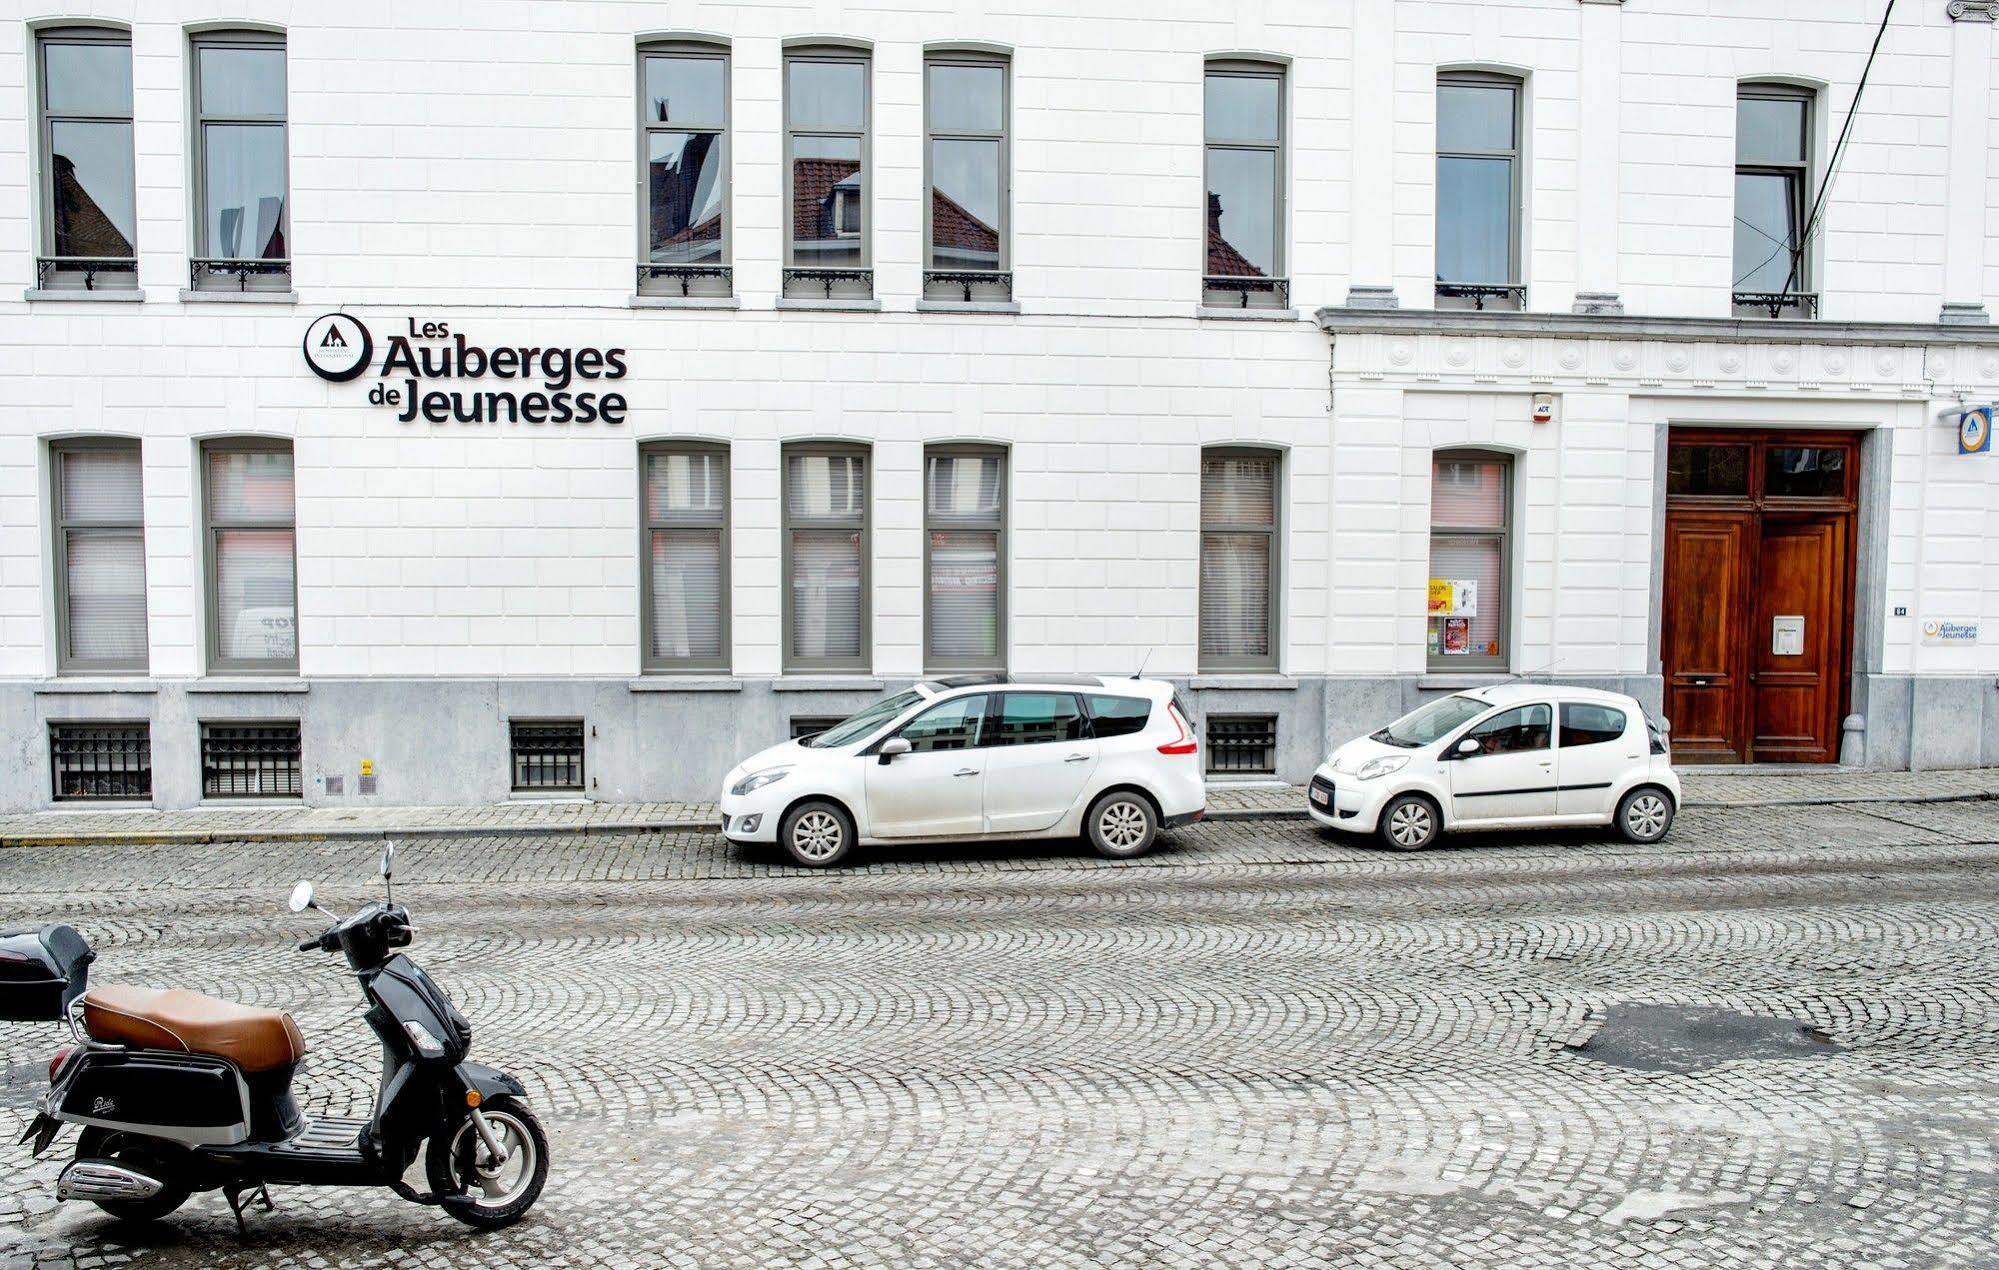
x,y
1381,766
757,780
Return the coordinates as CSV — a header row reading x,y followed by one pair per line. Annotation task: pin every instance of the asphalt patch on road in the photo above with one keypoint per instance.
x,y
1683,1038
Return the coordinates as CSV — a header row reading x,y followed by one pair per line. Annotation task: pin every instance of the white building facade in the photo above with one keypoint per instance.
x,y
573,399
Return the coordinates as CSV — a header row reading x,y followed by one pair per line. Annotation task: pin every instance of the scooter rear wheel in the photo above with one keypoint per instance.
x,y
500,1196
137,1152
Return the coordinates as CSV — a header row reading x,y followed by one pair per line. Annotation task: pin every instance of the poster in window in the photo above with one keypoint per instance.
x,y
1453,597
1457,635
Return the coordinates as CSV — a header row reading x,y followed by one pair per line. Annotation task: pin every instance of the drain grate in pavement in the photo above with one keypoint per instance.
x,y
1684,1038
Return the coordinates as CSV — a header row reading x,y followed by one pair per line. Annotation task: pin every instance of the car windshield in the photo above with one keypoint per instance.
x,y
1424,725
855,726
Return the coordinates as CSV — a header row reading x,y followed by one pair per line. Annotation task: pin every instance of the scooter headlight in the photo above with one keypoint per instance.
x,y
1381,766
758,780
426,1044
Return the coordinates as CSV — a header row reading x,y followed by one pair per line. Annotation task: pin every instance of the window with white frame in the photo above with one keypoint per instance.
x,y
826,603
1773,125
241,163
1471,526
966,222
826,122
1244,156
1478,191
1239,559
684,169
89,199
686,570
247,501
964,551
100,556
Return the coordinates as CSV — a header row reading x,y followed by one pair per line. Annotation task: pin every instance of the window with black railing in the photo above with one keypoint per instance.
x,y
1242,744
804,725
242,230
547,754
684,178
88,194
250,760
101,761
1244,156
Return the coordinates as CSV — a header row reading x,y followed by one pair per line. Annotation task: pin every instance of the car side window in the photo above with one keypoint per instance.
x,y
1585,724
1037,718
951,725
1118,716
1514,731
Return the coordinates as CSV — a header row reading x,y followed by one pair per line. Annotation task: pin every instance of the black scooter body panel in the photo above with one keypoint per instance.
x,y
190,1098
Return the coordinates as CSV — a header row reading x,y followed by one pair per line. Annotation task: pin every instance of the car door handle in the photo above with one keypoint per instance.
x,y
967,771
1077,758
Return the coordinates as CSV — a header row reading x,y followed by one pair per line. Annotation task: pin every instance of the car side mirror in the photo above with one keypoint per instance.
x,y
301,897
890,748
1466,748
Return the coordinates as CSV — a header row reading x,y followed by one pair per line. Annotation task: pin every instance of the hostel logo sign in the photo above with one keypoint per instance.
x,y
340,348
1974,430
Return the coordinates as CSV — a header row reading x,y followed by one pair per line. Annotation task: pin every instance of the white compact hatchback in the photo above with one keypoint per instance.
x,y
978,758
1507,757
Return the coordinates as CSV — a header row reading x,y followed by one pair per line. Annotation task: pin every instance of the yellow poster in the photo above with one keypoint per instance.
x,y
1440,597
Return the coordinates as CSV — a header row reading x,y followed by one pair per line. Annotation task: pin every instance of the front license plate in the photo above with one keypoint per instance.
x,y
1321,797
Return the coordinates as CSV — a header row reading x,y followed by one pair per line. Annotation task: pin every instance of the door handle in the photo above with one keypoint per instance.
x,y
1077,758
968,771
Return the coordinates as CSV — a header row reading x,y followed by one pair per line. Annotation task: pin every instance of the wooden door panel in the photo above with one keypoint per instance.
x,y
1707,558
1800,577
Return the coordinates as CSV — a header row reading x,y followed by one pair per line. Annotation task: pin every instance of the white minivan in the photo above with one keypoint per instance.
x,y
1510,756
978,758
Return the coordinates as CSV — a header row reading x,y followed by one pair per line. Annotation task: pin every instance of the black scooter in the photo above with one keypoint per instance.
x,y
179,1093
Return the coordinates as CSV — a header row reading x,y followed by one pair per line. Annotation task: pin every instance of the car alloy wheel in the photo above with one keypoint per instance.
x,y
1410,824
1123,824
818,835
1647,815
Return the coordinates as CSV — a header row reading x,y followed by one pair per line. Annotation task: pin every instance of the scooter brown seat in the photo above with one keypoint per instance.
x,y
176,1019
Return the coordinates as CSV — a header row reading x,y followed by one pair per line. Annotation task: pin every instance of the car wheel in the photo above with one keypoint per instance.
x,y
1645,814
1121,825
1410,822
817,835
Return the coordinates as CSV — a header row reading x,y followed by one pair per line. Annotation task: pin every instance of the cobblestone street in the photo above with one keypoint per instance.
x,y
1258,1047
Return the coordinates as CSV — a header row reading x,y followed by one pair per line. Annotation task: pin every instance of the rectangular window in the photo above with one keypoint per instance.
x,y
250,760
966,157
1242,744
826,603
547,754
89,199
100,557
804,725
964,525
686,571
1470,524
1478,192
1244,112
826,121
1239,583
1772,184
684,170
1038,718
252,591
241,164
93,761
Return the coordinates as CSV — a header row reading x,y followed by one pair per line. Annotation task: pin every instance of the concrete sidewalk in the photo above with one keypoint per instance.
x,y
1705,787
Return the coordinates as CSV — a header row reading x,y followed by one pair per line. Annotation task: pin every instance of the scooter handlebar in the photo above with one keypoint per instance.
x,y
308,945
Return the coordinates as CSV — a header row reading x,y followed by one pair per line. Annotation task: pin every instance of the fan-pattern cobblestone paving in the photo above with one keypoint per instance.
x,y
1259,1047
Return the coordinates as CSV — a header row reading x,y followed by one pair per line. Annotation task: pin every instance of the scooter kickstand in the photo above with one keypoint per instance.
x,y
241,1197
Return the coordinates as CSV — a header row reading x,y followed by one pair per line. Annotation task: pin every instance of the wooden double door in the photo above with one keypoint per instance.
x,y
1756,629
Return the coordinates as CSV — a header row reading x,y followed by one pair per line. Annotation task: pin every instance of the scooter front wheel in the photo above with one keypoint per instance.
x,y
492,1195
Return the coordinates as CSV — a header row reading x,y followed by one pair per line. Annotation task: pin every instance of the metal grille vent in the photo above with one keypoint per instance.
x,y
547,753
250,760
101,760
1242,744
804,725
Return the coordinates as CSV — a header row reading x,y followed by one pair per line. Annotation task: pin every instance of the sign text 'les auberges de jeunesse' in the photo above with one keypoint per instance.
x,y
339,347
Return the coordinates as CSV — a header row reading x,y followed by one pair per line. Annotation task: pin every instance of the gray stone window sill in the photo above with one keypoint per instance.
x,y
1243,683
80,686
189,296
255,804
667,682
829,306
1218,314
825,683
1470,679
66,295
971,306
685,302
249,685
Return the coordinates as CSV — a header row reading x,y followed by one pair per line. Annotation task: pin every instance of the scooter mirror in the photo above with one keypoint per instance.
x,y
389,860
301,897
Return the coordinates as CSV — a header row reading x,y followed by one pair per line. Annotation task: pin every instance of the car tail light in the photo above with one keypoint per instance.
x,y
1183,743
56,1063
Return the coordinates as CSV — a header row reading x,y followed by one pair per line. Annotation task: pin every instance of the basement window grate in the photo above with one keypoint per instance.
x,y
101,761
250,760
804,725
1242,744
547,753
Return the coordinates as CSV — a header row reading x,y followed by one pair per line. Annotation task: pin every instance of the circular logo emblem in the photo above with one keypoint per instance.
x,y
1974,431
338,347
